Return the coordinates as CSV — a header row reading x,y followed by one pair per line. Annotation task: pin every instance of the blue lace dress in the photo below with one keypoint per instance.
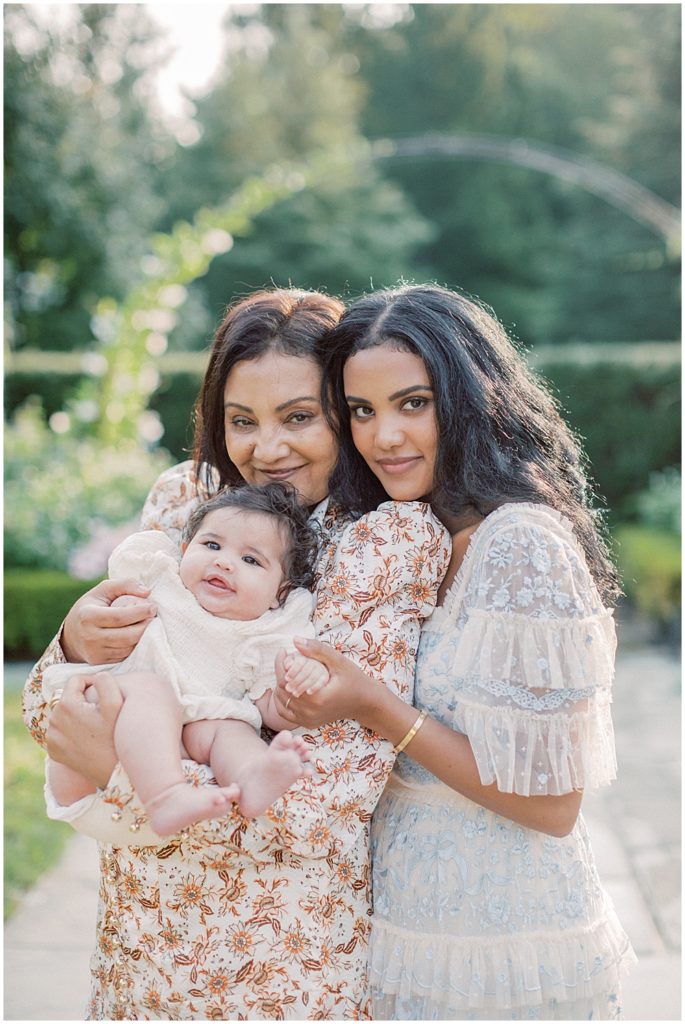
x,y
476,917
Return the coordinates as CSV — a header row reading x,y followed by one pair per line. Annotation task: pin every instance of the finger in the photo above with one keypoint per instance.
x,y
110,697
107,617
111,589
324,653
279,665
282,699
76,686
317,685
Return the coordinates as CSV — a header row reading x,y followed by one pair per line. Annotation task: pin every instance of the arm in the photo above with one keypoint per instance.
x,y
445,753
376,619
523,687
93,632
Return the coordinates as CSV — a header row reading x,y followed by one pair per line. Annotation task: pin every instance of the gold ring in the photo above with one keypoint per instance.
x,y
287,703
55,700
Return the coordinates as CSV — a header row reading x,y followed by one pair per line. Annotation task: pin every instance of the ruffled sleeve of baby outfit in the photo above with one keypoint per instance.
x,y
534,661
145,556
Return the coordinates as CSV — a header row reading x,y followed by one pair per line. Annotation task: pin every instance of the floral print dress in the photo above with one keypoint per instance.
x,y
264,918
476,917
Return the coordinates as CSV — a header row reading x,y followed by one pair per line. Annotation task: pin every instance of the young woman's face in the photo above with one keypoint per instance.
x,y
274,426
392,415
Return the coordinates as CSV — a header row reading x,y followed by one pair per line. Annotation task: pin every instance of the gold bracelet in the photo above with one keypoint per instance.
x,y
412,732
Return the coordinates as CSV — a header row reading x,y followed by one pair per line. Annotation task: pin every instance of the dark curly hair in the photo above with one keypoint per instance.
x,y
282,502
501,437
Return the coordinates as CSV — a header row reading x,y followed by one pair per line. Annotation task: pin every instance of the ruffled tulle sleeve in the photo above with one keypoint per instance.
x,y
533,656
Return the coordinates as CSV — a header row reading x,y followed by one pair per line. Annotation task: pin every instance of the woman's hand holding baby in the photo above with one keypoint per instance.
x,y
81,733
100,629
345,693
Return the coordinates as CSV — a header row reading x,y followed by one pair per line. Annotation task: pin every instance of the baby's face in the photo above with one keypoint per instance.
x,y
234,564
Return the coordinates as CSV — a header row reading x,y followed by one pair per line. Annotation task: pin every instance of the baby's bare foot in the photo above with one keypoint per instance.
x,y
270,774
183,804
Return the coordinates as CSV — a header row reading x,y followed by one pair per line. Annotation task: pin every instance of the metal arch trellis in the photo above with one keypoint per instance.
x,y
616,188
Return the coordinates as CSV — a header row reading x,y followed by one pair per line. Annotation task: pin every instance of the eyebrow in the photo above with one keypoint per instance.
x,y
279,408
395,394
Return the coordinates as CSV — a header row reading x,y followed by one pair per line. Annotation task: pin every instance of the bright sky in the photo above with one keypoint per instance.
x,y
194,32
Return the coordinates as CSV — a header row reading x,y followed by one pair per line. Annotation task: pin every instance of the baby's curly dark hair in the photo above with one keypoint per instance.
x,y
282,502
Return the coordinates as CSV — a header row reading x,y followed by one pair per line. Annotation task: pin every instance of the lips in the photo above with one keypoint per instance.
x,y
396,465
218,582
279,474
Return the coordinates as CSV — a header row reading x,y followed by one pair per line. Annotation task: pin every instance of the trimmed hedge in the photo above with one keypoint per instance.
x,y
626,411
629,419
650,562
36,602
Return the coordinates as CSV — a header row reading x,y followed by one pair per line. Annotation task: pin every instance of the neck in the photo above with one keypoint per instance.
x,y
456,523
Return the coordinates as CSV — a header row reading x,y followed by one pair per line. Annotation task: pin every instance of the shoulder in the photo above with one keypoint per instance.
x,y
172,497
402,523
148,553
527,554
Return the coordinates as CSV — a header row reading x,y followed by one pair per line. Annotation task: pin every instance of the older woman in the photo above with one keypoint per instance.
x,y
268,917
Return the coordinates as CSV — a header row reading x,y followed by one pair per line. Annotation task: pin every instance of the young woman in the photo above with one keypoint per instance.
x,y
266,917
487,903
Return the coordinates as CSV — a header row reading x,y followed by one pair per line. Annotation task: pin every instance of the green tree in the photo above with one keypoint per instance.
x,y
83,158
289,93
599,80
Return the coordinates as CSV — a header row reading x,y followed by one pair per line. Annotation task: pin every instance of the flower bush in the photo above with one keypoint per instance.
x,y
61,492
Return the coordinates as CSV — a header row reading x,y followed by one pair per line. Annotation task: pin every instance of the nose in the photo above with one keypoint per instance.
x,y
389,433
270,446
223,560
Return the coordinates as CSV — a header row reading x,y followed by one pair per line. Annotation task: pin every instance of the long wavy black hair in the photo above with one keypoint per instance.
x,y
501,437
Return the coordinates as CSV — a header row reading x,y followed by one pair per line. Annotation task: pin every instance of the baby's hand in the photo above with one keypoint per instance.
x,y
304,675
127,599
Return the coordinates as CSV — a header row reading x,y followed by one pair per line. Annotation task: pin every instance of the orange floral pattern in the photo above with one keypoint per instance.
x,y
264,918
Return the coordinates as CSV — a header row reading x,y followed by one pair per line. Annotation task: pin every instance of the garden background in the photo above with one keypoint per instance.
x,y
527,154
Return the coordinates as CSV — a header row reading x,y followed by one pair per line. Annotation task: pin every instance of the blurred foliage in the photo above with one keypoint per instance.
x,y
650,563
649,552
628,419
91,168
36,602
32,843
659,504
602,81
84,159
57,494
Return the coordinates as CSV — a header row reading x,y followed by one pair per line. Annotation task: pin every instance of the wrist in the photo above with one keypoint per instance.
x,y
69,652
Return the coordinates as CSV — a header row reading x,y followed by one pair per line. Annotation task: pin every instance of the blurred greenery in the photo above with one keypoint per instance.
x,y
91,168
126,234
32,843
35,605
650,562
57,495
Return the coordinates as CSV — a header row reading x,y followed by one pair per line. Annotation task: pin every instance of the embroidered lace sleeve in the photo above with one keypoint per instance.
x,y
535,661
382,575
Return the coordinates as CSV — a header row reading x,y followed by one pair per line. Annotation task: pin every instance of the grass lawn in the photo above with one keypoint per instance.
x,y
33,843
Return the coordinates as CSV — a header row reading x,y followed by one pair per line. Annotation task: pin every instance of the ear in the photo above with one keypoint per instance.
x,y
184,546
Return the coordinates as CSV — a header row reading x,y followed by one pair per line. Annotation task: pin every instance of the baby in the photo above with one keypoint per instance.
x,y
204,668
